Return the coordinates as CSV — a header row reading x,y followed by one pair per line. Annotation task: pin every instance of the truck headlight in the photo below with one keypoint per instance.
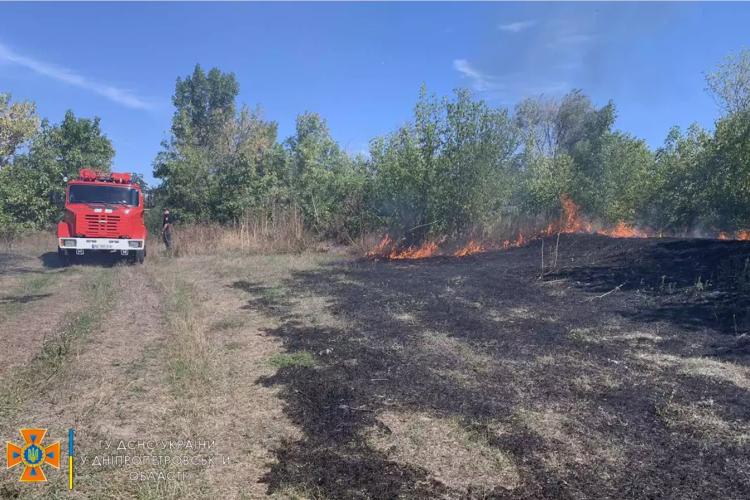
x,y
69,243
134,244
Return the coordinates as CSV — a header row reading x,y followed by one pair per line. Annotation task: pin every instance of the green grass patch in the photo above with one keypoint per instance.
x,y
584,335
36,283
228,323
274,294
300,359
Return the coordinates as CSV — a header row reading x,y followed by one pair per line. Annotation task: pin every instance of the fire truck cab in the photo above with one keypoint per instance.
x,y
104,212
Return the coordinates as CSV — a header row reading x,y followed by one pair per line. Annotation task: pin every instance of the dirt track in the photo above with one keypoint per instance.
x,y
622,373
155,360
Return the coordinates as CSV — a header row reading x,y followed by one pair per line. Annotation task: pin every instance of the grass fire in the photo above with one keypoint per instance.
x,y
570,222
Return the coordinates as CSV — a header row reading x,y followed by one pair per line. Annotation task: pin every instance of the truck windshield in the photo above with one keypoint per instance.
x,y
114,195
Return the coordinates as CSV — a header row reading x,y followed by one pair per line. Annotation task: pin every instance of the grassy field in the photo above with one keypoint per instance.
x,y
608,368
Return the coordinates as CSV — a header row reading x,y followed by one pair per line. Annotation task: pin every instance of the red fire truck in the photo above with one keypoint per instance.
x,y
104,212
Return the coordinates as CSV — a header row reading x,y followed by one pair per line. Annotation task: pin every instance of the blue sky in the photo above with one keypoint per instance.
x,y
360,65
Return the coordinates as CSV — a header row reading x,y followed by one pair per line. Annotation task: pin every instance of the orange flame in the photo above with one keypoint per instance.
x,y
571,221
743,235
380,248
470,249
520,240
387,249
571,216
427,249
623,230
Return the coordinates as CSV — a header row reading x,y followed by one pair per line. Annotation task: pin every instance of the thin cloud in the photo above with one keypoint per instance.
x,y
508,87
569,43
516,27
570,39
118,95
479,81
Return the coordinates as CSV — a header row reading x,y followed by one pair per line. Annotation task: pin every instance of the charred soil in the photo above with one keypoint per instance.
x,y
621,372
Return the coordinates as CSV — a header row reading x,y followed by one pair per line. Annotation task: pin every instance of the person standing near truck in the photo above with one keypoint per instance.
x,y
166,230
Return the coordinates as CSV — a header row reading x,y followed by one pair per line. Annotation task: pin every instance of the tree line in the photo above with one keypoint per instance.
x,y
458,166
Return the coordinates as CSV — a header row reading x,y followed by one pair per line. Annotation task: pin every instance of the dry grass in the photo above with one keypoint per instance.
x,y
569,444
25,290
454,456
189,351
720,371
222,333
31,243
176,357
255,234
24,381
584,335
703,420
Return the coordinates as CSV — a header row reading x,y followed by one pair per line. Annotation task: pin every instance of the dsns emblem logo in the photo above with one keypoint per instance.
x,y
32,454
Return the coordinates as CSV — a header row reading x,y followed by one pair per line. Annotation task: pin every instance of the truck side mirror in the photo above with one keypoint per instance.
x,y
148,200
56,198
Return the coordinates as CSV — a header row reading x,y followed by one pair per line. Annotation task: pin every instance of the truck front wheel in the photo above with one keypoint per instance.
x,y
139,256
63,257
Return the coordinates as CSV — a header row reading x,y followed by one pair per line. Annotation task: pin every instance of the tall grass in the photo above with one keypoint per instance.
x,y
256,232
29,241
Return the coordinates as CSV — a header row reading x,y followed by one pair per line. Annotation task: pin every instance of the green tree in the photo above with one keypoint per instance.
x,y
674,185
449,171
59,151
396,165
555,126
248,166
18,125
216,161
544,180
322,176
139,180
472,178
592,172
729,82
628,161
74,144
726,175
203,105
564,151
187,182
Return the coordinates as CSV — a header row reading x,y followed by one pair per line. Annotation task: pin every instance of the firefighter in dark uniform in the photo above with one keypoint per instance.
x,y
166,230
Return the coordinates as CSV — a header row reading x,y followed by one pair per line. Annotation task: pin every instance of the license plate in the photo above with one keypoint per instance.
x,y
103,247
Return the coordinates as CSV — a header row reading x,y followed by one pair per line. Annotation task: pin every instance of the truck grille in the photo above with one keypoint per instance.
x,y
109,227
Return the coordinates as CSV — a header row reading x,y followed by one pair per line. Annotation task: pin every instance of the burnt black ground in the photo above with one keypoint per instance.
x,y
683,296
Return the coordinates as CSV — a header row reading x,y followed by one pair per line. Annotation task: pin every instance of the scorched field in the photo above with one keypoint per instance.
x,y
596,368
